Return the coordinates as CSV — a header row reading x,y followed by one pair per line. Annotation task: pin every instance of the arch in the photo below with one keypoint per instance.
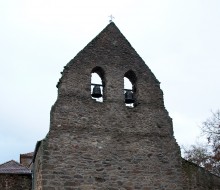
x,y
97,81
130,88
131,76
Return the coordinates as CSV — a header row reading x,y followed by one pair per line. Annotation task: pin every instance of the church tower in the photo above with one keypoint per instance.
x,y
103,135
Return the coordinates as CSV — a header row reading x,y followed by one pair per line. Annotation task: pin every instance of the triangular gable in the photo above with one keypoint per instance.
x,y
111,39
13,167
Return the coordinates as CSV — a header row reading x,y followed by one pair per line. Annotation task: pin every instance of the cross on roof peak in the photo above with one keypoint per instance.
x,y
111,18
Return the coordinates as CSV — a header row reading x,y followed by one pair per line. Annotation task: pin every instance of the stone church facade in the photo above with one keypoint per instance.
x,y
109,145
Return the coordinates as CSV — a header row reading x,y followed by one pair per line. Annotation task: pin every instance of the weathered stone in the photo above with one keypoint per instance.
x,y
107,145
15,182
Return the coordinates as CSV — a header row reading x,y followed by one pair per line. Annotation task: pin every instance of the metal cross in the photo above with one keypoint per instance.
x,y
111,18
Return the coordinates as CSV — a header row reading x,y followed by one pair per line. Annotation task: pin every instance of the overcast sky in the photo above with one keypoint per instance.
x,y
178,39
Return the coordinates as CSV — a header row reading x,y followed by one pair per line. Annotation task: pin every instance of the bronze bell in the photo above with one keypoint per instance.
x,y
129,98
96,92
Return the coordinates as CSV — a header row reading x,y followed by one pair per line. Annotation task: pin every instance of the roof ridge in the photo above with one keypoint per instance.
x,y
13,166
7,162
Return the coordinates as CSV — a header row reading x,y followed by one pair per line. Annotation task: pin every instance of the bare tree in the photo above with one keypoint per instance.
x,y
208,155
211,129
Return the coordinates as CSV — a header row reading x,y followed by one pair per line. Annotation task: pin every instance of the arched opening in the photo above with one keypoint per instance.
x,y
97,84
130,88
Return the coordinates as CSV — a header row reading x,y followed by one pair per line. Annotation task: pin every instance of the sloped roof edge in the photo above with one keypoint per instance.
x,y
36,150
13,167
110,29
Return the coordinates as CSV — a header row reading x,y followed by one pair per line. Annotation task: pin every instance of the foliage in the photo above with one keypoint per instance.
x,y
208,155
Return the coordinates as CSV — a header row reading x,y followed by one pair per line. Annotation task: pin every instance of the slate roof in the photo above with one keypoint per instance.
x,y
13,167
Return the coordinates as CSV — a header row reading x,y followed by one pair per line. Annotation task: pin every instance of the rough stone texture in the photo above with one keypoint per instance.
x,y
15,181
26,159
197,178
93,145
37,167
106,145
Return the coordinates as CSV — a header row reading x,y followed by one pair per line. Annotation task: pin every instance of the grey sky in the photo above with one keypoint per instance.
x,y
178,39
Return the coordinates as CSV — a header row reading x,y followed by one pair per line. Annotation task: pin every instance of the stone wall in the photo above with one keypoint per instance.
x,y
15,181
106,145
197,178
26,159
37,167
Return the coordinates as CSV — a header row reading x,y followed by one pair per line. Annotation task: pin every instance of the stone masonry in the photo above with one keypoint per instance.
x,y
15,182
15,176
108,145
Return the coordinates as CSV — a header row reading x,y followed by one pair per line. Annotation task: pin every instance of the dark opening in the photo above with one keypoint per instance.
x,y
130,88
97,84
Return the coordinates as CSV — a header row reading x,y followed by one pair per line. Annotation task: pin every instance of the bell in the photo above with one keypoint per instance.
x,y
96,92
129,98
